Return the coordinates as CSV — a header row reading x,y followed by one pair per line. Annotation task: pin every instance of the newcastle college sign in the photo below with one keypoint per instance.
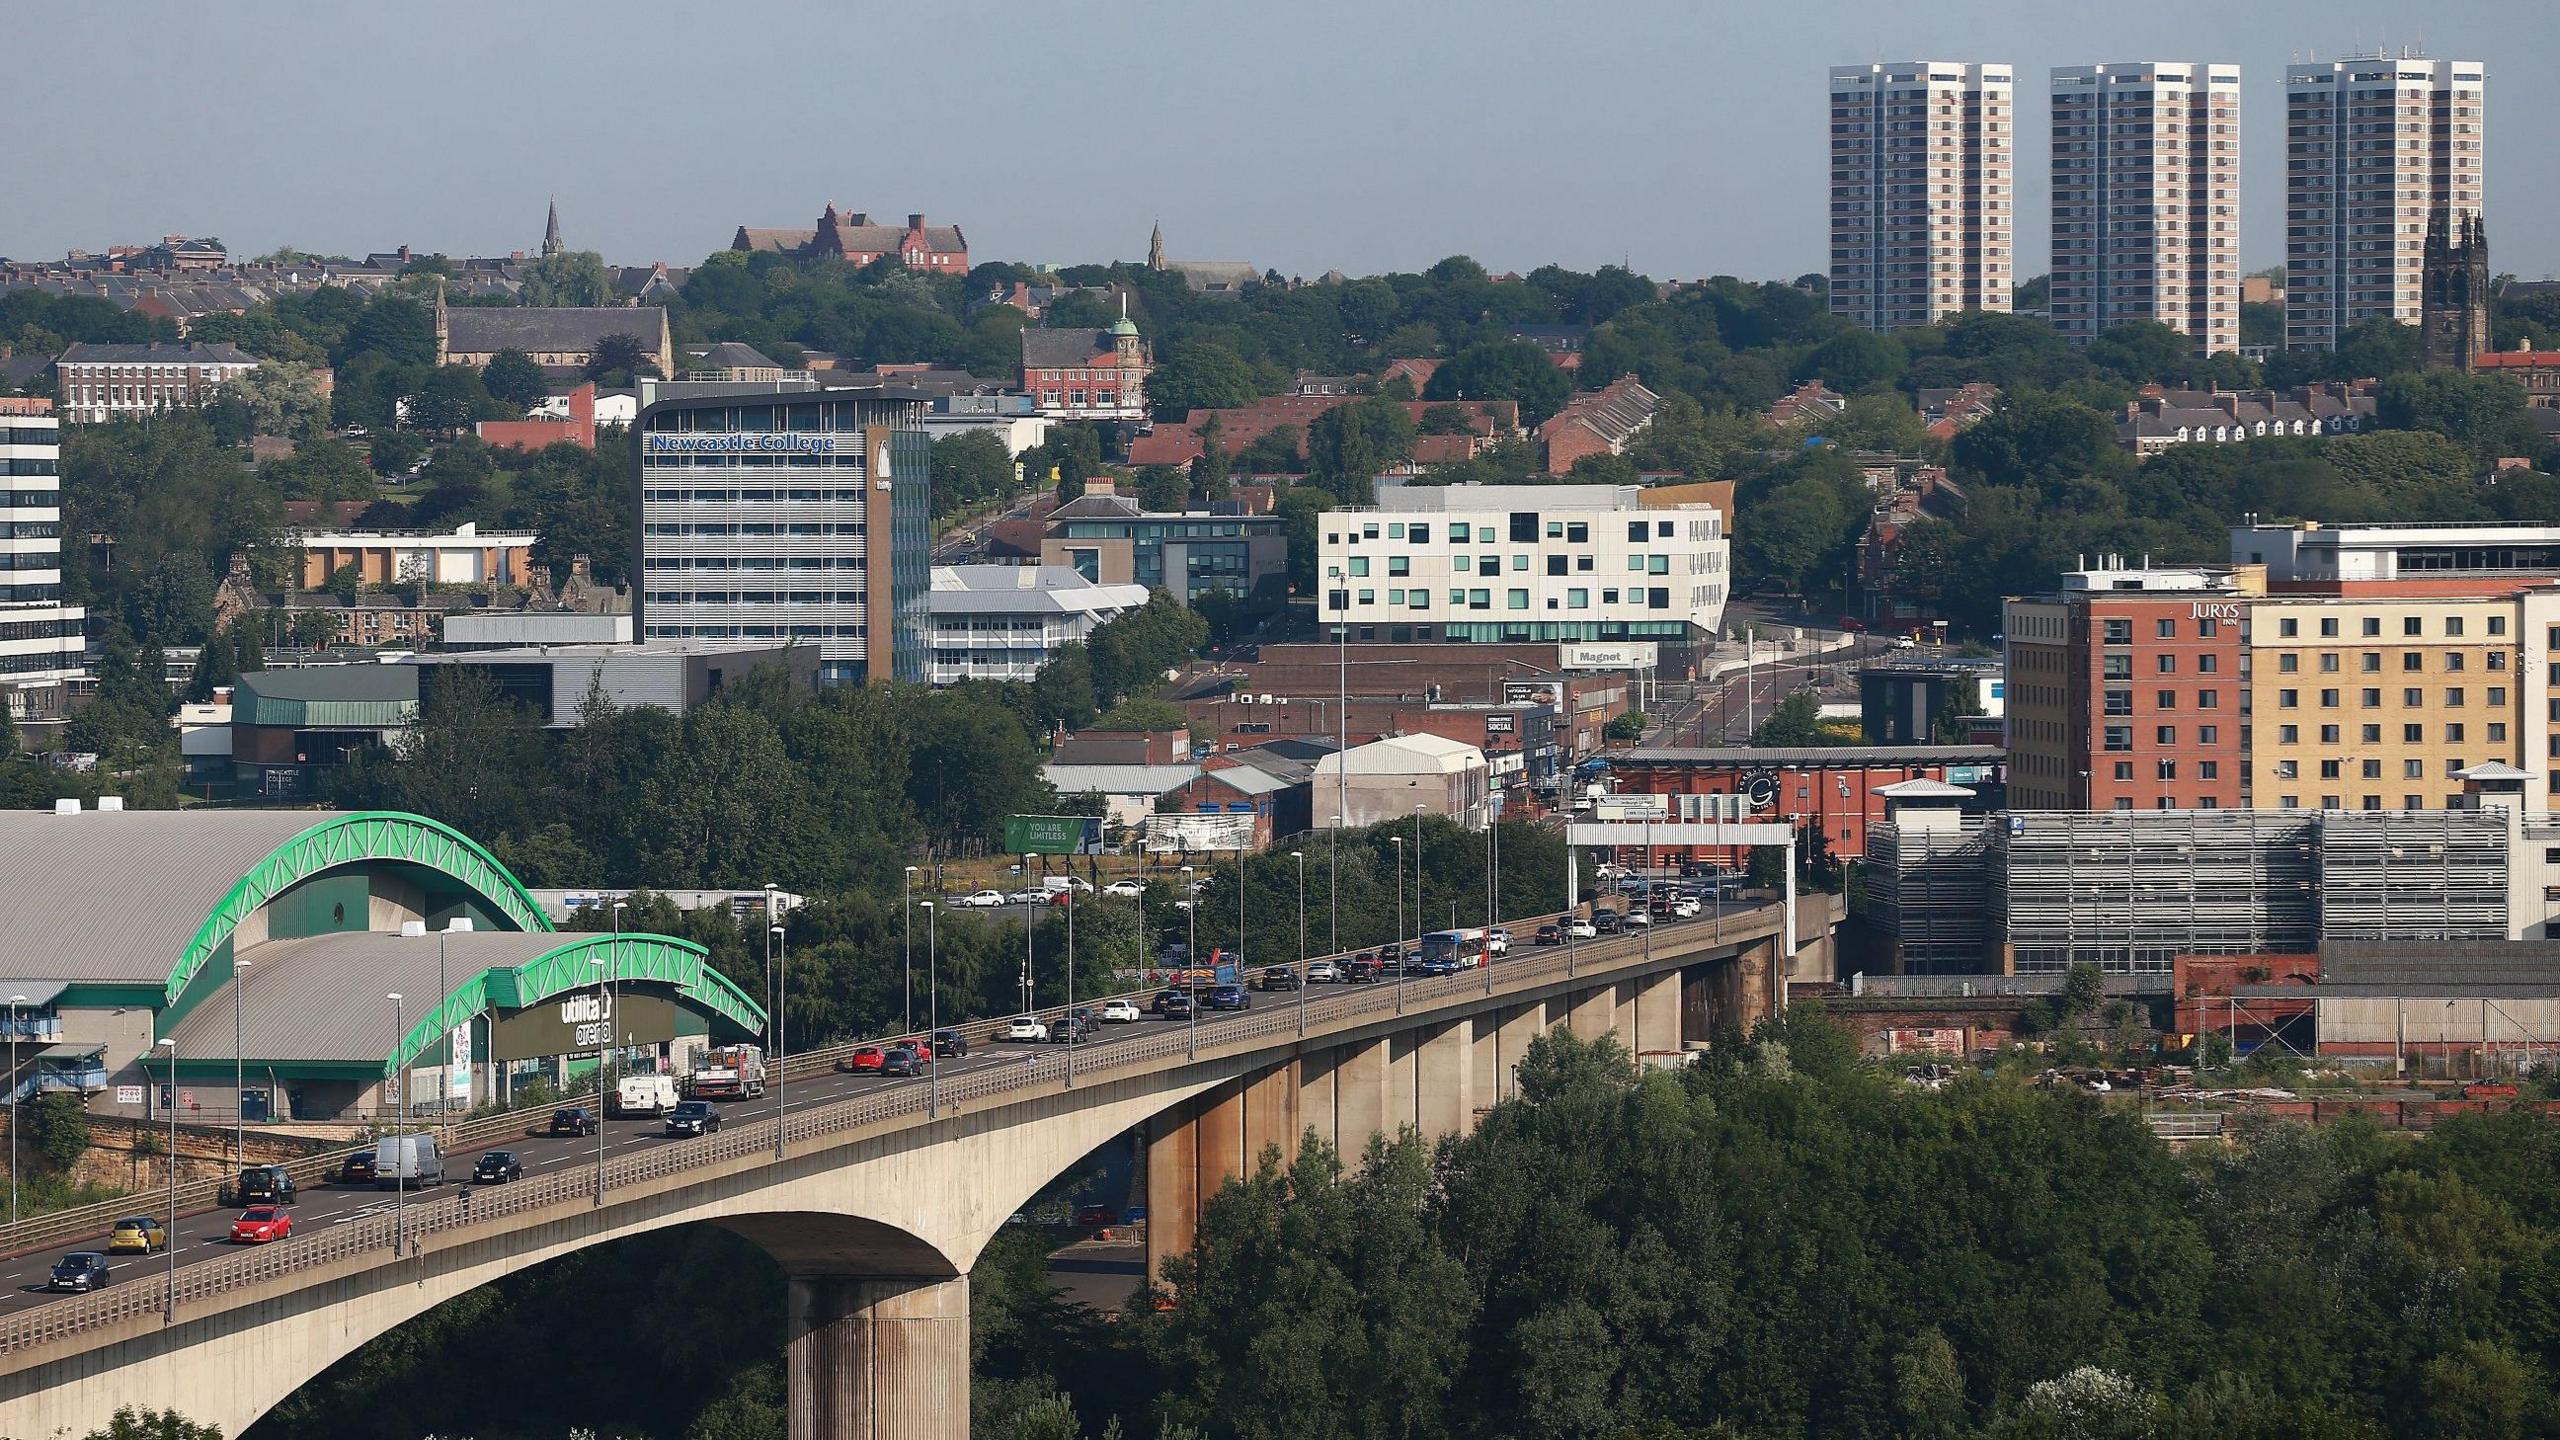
x,y
783,443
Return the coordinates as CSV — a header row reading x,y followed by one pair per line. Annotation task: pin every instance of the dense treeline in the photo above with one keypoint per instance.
x,y
1778,1242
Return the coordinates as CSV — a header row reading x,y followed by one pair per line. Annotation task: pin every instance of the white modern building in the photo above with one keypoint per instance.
x,y
2146,200
106,382
1524,563
1000,622
2463,551
2373,144
40,640
1923,191
1389,780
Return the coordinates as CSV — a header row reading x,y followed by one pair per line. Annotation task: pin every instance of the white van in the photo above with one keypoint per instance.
x,y
650,1095
406,1160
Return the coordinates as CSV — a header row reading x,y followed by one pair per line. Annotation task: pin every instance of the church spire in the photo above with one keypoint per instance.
x,y
551,230
1155,247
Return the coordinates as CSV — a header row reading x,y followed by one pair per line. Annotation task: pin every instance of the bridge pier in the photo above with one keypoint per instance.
x,y
1444,1081
878,1358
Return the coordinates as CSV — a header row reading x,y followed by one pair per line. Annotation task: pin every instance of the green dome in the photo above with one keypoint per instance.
x,y
1124,326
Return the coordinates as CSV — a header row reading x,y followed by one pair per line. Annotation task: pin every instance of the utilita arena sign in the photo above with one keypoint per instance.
x,y
785,443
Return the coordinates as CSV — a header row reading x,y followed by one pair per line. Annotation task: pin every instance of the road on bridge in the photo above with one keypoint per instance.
x,y
204,1235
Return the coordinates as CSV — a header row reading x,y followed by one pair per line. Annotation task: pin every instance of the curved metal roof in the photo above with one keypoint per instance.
x,y
147,896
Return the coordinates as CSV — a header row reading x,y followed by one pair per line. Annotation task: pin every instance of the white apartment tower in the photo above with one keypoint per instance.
x,y
2146,200
40,637
2373,145
1923,203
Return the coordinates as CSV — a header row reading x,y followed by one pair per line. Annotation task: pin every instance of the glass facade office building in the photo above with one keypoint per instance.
x,y
788,513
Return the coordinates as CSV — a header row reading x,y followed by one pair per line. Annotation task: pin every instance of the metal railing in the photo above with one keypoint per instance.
x,y
400,1231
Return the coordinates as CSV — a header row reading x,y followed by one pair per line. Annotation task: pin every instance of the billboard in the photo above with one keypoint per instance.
x,y
1623,655
582,1021
1188,834
1050,834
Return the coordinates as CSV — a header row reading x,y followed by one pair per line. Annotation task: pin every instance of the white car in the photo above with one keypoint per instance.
x,y
983,900
1123,1011
1635,917
1324,972
1028,897
1126,889
1582,930
1686,909
1024,1029
1497,941
1200,885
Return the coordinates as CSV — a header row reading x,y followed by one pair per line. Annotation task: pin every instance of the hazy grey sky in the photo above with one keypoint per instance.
x,y
1686,139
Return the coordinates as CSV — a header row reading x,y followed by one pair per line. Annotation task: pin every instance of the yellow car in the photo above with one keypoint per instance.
x,y
139,1232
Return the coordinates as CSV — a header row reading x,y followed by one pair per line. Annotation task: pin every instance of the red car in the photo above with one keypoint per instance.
x,y
261,1225
864,1061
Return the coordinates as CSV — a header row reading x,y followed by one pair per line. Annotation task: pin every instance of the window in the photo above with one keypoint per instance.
x,y
1359,564
2329,662
1577,532
2166,629
2371,734
2119,702
2165,735
2165,770
2288,699
1459,533
2452,626
1524,528
1419,533
2208,734
2413,697
2208,699
2331,769
2165,664
2288,734
2410,625
2372,769
2328,734
2208,769
2117,632
1577,599
2372,625
2413,734
2208,628
2119,737
2497,624
2328,626
2328,699
2413,769
1636,563
2288,627
2124,770
2497,659
2288,664
2453,695
1636,531
2370,697
2497,696
1555,565
2497,732
1657,564
1479,599
2288,770
2208,664
2116,667
2167,699
2371,662
1516,600
2453,734
1608,597
2453,660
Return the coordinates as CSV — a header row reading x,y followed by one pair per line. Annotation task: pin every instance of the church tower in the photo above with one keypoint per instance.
x,y
2453,324
551,231
1155,248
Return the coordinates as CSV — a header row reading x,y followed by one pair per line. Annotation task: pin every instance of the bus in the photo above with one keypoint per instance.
x,y
1465,948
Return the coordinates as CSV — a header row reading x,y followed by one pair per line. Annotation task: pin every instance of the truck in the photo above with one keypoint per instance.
x,y
651,1095
407,1160
731,1072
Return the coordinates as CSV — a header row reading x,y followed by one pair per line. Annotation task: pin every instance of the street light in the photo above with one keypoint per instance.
x,y
1398,842
768,970
1030,922
169,1298
400,1152
781,1033
907,938
604,1073
1301,858
1333,890
1191,958
17,1110
1069,1019
933,1008
239,1077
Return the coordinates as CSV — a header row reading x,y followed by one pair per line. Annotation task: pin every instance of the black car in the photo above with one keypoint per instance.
x,y
573,1120
1548,935
1362,970
1227,997
902,1060
258,1185
1074,1028
693,1117
949,1044
497,1167
1276,977
79,1270
1606,922
359,1169
1172,1004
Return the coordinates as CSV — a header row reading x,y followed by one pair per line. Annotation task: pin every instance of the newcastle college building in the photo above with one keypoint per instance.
x,y
787,512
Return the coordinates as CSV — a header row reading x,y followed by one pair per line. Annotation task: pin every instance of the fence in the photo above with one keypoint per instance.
x,y
401,1230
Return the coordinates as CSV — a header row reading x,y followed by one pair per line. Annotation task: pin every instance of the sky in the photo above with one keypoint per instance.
x,y
1682,139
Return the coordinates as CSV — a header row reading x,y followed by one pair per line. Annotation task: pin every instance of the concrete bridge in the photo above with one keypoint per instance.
x,y
877,1197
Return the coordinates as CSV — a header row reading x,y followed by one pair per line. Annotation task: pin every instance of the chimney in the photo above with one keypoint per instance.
x,y
915,220
1101,485
404,254
580,568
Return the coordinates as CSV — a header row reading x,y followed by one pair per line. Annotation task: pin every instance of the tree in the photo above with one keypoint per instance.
x,y
970,469
2482,413
1199,375
2038,441
451,398
1350,445
1132,651
132,1424
58,1130
619,358
512,378
1796,723
1626,728
1504,370
572,277
277,398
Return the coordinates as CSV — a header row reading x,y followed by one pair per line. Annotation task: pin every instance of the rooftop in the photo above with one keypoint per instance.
x,y
87,353
1815,757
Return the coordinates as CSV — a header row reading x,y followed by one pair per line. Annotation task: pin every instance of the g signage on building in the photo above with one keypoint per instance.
x,y
575,1023
741,443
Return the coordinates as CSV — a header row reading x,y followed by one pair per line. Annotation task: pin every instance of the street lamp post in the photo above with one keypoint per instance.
x,y
1301,857
907,939
605,1003
1190,960
17,1110
1333,891
239,1080
781,1035
1421,916
169,1297
1070,1017
604,1071
1030,923
1398,842
401,1153
933,1007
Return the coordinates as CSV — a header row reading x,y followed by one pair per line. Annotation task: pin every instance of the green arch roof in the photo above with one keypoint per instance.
x,y
568,967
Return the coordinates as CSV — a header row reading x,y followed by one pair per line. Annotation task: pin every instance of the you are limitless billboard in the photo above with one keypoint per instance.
x,y
1050,834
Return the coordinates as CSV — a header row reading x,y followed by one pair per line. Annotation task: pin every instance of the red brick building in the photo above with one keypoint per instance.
x,y
1597,422
934,249
2126,692
1829,789
1239,427
579,429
